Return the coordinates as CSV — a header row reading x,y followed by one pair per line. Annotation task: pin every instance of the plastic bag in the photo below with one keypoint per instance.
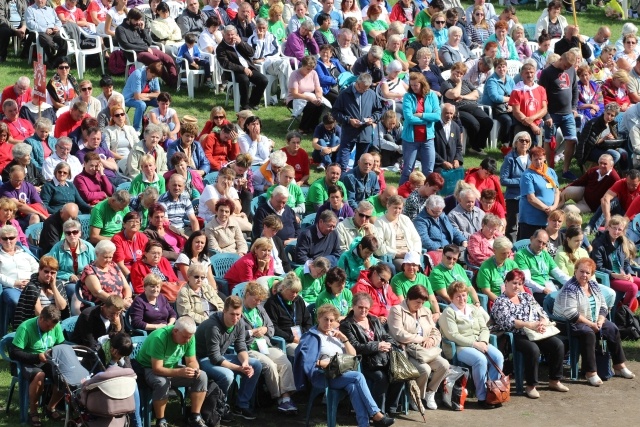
x,y
455,388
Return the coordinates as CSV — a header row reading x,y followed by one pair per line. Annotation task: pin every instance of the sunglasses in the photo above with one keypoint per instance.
x,y
63,67
361,215
528,141
72,232
439,22
479,14
383,281
62,173
119,115
218,117
9,238
451,258
86,89
630,42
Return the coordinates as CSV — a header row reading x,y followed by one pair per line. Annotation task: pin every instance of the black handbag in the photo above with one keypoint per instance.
x,y
612,144
341,363
400,369
603,359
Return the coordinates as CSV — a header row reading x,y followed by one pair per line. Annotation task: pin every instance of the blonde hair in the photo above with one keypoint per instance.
x,y
572,218
147,159
628,247
255,289
417,177
290,281
261,243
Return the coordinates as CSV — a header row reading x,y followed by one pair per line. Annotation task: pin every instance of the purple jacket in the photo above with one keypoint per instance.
x,y
295,45
93,188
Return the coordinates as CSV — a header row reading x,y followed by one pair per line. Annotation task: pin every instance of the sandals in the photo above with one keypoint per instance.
x,y
34,419
53,415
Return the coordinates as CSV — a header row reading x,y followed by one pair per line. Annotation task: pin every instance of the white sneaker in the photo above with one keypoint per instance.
x,y
321,167
430,398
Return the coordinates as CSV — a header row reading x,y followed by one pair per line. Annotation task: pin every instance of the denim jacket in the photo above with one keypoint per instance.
x,y
37,155
359,187
510,173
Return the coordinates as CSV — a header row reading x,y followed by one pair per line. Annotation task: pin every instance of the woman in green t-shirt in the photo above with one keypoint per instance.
x,y
409,276
374,26
490,278
276,26
335,292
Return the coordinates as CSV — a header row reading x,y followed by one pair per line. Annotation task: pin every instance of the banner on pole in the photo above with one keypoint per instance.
x,y
39,79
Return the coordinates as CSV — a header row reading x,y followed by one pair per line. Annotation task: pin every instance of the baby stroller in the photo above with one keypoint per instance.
x,y
92,398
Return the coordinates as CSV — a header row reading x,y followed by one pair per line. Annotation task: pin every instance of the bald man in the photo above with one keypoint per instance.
x,y
52,226
361,182
379,201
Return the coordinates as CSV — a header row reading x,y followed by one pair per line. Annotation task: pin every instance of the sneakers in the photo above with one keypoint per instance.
x,y
162,423
430,398
209,84
196,422
287,407
227,415
321,167
568,175
245,413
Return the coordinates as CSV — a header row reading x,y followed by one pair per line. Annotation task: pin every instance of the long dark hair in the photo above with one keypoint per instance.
x,y
572,231
188,247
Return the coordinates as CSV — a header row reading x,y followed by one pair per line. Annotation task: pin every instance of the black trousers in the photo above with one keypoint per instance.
x,y
311,115
51,42
6,32
260,84
553,350
589,340
513,207
383,393
506,127
478,125
245,201
525,231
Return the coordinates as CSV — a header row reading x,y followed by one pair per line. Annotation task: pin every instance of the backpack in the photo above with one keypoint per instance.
x,y
214,405
117,63
628,323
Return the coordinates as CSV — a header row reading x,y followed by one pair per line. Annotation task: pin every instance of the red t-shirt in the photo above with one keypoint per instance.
x,y
530,102
6,154
77,15
21,129
9,93
299,161
127,250
95,7
622,192
420,131
497,210
405,190
65,124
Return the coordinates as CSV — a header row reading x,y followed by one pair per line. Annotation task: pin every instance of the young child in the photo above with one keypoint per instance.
x,y
389,140
416,180
286,178
326,142
574,218
190,52
297,157
376,168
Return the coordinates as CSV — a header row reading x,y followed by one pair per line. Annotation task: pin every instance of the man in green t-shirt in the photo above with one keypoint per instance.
x,y
33,338
318,191
449,271
410,276
161,355
106,217
379,201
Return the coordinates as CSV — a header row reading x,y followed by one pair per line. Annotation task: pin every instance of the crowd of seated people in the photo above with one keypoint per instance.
x,y
379,266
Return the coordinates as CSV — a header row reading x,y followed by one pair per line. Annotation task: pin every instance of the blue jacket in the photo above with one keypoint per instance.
x,y
510,173
513,52
200,160
86,255
495,90
37,154
602,251
327,81
184,49
346,107
137,81
435,233
359,187
429,117
304,364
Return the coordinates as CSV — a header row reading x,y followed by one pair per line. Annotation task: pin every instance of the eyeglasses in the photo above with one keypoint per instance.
x,y
451,258
86,89
630,42
48,271
384,281
72,232
361,215
439,22
119,115
63,67
479,14
218,117
62,173
134,221
199,277
526,141
8,238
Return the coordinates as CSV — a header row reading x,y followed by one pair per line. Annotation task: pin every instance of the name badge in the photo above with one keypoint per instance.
x,y
549,185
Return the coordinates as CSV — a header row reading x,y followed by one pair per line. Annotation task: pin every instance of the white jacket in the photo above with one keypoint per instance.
x,y
19,266
388,235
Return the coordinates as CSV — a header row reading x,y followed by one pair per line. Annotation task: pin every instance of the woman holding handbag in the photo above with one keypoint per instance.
x,y
411,324
370,340
465,325
518,312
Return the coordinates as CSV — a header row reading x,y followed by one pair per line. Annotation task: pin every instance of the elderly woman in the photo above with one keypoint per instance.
x,y
316,349
397,232
370,340
449,271
514,310
61,190
151,310
195,252
392,87
275,23
253,142
596,133
412,326
276,367
551,21
614,90
539,194
581,303
8,209
92,183
288,312
312,277
553,229
16,268
359,257
497,91
590,100
197,299
194,186
394,51
335,292
301,42
188,145
425,65
306,95
464,96
481,242
130,242
159,229
148,177
491,275
142,203
466,326
152,261
223,231
150,145
103,277
119,136
434,228
42,142
256,263
62,87
506,45
21,153
514,165
626,59
42,290
328,69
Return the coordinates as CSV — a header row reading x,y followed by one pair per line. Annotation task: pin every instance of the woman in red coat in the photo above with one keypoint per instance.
x,y
485,177
152,261
257,263
375,282
615,90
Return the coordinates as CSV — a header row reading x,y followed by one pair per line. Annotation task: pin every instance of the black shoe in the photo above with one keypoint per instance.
x,y
484,405
196,422
245,413
384,422
227,416
254,107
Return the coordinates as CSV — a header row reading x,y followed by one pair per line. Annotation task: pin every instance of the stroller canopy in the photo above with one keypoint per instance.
x,y
64,358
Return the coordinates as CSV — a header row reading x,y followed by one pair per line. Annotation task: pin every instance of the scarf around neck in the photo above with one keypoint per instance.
x,y
544,172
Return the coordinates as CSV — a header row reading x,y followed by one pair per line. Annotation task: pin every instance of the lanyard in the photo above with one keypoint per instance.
x,y
340,303
382,297
44,341
253,319
287,311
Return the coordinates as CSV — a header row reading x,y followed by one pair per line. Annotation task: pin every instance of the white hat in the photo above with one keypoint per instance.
x,y
411,258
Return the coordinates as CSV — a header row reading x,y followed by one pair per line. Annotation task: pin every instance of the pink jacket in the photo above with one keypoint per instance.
x,y
93,189
479,249
246,269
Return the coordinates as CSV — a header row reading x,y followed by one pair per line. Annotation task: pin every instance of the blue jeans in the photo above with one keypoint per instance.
x,y
10,297
140,107
224,378
479,364
355,385
344,153
136,421
567,124
598,219
617,154
410,153
326,159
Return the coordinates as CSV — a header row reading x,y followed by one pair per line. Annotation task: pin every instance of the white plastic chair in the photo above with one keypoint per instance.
x,y
493,137
233,87
134,62
392,101
216,74
188,75
513,67
477,52
39,50
270,80
446,74
73,48
533,46
175,8
294,61
16,39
